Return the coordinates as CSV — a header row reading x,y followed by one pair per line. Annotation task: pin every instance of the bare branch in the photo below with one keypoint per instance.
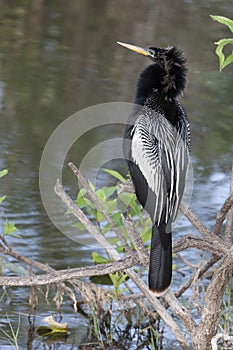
x,y
221,215
180,311
203,229
213,299
203,270
11,252
69,274
189,241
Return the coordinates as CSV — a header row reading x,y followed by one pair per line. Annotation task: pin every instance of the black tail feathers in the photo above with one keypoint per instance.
x,y
160,269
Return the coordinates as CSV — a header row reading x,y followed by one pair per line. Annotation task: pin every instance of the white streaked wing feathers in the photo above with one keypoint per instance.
x,y
155,143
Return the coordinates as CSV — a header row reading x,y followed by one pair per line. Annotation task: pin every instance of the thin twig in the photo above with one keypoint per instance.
x,y
203,270
185,261
202,228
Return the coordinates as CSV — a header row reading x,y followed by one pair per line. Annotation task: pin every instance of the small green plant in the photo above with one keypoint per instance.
x,y
223,61
8,228
13,335
117,279
3,173
96,329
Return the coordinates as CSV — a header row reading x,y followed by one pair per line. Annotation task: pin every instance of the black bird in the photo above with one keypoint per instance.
x,y
156,147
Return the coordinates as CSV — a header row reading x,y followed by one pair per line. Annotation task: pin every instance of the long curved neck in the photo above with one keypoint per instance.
x,y
149,79
168,81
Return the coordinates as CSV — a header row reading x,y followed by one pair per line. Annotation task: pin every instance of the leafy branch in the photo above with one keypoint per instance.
x,y
223,61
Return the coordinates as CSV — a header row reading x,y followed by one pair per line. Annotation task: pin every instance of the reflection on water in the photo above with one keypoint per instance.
x,y
57,57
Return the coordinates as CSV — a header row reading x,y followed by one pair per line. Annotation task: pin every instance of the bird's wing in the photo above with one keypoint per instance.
x,y
152,150
182,147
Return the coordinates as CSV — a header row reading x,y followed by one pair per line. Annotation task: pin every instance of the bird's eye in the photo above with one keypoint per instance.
x,y
151,52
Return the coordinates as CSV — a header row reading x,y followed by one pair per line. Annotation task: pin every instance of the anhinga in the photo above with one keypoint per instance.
x,y
156,146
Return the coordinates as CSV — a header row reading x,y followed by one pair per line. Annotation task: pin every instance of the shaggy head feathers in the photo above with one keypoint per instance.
x,y
167,74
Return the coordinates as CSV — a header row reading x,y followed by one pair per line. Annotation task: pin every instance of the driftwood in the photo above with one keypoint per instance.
x,y
216,242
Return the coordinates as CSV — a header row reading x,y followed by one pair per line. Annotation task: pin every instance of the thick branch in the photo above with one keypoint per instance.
x,y
69,274
190,241
30,262
221,215
213,300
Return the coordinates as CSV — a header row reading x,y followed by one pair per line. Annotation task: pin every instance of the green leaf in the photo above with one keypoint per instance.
x,y
120,249
107,191
99,259
145,234
223,20
99,216
3,172
225,41
9,228
122,290
115,174
122,278
2,199
220,55
113,240
110,206
116,218
100,194
14,267
106,228
82,201
136,209
228,60
127,197
219,52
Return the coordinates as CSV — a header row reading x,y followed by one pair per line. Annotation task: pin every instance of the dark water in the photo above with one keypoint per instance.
x,y
58,57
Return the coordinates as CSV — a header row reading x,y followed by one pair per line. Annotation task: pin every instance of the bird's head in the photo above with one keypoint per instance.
x,y
172,63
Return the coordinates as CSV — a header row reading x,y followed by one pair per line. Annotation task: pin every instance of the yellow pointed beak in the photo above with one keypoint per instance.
x,y
137,49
